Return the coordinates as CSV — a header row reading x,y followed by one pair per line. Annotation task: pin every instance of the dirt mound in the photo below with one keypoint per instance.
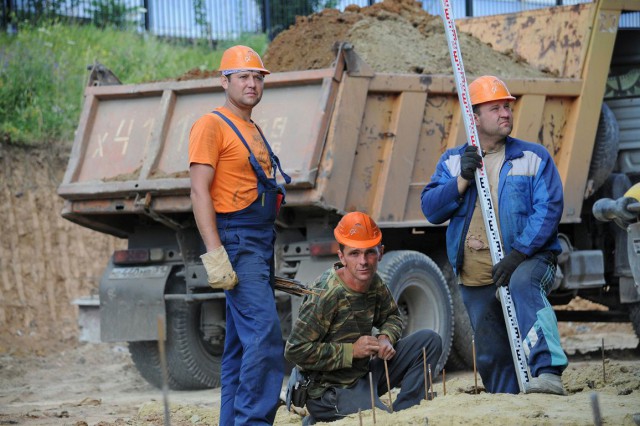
x,y
392,36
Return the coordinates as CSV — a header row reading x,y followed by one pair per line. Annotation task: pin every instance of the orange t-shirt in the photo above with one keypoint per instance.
x,y
213,142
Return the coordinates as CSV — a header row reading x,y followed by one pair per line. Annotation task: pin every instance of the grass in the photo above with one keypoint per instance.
x,y
43,72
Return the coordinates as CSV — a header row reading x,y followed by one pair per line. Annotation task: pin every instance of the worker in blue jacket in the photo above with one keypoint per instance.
x,y
526,193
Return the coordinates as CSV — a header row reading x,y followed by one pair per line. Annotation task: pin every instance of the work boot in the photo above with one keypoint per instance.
x,y
545,383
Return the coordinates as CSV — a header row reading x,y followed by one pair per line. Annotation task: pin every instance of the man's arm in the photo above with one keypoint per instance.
x,y
203,211
305,347
443,195
547,206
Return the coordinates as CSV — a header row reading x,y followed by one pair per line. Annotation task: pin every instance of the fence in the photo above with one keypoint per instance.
x,y
228,19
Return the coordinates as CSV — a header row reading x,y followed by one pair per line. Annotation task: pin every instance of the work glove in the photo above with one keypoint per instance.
x,y
469,162
502,270
220,273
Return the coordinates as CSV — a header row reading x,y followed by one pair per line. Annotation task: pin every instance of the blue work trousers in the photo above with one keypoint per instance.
x,y
529,286
253,359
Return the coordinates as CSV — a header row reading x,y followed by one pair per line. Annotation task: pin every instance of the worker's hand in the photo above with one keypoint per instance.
x,y
469,162
365,346
220,273
386,351
502,270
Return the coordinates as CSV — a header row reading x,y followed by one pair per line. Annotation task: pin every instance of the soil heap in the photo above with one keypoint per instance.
x,y
395,36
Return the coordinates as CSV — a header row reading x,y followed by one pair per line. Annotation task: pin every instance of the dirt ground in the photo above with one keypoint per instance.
x,y
97,385
48,378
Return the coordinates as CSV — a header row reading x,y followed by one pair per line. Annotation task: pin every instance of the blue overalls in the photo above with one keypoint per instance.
x,y
252,362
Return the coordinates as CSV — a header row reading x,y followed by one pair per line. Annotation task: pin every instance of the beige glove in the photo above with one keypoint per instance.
x,y
220,273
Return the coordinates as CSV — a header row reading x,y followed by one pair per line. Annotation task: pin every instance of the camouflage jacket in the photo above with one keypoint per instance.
x,y
321,342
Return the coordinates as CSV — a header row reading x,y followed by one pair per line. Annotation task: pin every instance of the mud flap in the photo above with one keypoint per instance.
x,y
131,298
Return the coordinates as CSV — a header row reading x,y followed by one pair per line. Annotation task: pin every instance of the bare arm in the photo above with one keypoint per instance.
x,y
201,180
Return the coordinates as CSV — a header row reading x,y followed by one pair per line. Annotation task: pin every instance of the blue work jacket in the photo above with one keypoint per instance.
x,y
530,200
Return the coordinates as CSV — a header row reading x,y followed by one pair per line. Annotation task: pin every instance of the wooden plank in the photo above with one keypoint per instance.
x,y
83,133
526,34
398,158
211,84
158,135
394,83
528,117
574,157
89,190
332,183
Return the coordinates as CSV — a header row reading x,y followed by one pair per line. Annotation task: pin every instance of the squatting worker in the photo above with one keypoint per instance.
x,y
526,194
351,327
235,201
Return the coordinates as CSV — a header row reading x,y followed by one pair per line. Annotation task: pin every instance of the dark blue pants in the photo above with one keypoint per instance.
x,y
253,359
406,369
529,286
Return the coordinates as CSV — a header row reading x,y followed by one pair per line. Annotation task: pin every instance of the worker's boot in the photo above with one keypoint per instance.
x,y
545,383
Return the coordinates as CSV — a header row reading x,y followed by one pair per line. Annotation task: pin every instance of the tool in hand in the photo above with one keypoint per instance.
x,y
386,371
292,286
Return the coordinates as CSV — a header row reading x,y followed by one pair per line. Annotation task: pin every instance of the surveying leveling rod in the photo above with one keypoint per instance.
x,y
482,183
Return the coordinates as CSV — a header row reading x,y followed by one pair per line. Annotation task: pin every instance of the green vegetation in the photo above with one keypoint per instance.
x,y
43,72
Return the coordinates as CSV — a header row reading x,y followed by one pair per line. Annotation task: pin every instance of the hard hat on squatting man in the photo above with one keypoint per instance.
x,y
241,58
488,88
357,230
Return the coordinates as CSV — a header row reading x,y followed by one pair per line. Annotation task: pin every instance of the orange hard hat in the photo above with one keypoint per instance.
x,y
488,88
241,58
357,230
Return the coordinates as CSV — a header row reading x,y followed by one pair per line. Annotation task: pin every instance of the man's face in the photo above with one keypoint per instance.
x,y
494,119
244,89
361,264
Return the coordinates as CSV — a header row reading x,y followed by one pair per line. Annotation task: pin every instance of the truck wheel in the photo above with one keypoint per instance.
x,y
605,149
421,291
463,330
192,362
634,316
461,356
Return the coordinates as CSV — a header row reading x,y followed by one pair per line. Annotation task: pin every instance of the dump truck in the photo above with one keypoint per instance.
x,y
355,139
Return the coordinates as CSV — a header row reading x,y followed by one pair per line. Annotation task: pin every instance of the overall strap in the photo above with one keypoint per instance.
x,y
274,158
252,159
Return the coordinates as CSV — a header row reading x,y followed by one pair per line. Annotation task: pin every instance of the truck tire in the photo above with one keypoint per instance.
x,y
421,291
461,356
605,149
192,362
463,332
634,316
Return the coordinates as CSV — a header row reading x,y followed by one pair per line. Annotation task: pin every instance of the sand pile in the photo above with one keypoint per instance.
x,y
392,36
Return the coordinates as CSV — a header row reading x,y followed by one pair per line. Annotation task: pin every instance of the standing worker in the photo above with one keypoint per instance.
x,y
235,202
332,339
526,193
